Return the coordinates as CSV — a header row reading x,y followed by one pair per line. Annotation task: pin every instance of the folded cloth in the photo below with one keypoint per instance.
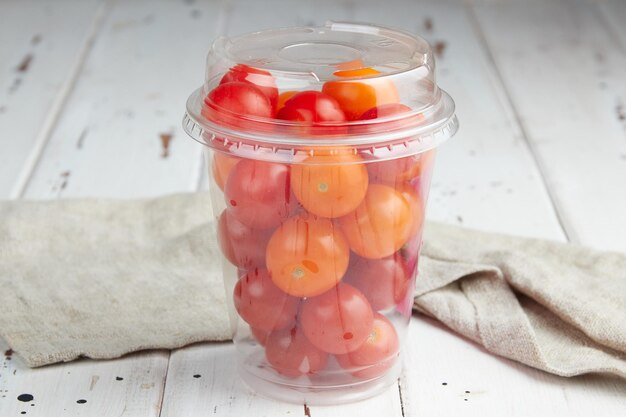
x,y
101,278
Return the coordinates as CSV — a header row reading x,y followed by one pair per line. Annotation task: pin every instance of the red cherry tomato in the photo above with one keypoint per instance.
x,y
260,335
386,110
312,106
221,167
337,321
395,171
307,255
283,97
261,304
258,194
230,103
243,246
261,79
356,97
410,252
290,353
380,225
377,354
384,282
411,195
330,185
312,109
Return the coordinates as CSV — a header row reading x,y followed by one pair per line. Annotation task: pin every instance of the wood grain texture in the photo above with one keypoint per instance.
x,y
41,47
563,71
128,101
58,388
497,386
108,141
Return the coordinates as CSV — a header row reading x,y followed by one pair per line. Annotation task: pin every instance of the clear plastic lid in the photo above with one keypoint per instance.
x,y
382,80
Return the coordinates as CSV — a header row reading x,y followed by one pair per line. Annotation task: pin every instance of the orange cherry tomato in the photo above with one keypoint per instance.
x,y
415,203
380,225
283,97
379,352
307,255
356,97
349,65
330,184
221,167
395,171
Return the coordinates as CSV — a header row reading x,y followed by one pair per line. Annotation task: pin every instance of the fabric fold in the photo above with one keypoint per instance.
x,y
102,278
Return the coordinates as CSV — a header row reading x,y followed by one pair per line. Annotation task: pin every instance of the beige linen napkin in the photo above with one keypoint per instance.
x,y
101,278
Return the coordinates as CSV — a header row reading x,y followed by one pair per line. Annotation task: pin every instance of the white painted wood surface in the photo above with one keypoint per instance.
x,y
565,73
104,140
41,47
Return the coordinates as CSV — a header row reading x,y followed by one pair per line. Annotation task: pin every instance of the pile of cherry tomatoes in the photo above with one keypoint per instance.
x,y
326,246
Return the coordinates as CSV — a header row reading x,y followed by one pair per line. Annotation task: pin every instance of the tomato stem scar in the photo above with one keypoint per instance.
x,y
298,273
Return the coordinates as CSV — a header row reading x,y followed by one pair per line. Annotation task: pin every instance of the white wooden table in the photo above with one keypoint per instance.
x,y
88,88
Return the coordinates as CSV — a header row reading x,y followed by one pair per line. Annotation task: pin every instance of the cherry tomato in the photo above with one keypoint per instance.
x,y
380,225
330,185
337,321
260,335
243,246
386,110
261,79
261,304
291,354
356,97
384,282
410,253
314,110
257,193
395,171
312,106
283,97
229,103
221,167
415,203
377,354
349,65
307,255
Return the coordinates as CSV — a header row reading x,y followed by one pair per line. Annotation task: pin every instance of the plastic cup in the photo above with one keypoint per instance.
x,y
320,144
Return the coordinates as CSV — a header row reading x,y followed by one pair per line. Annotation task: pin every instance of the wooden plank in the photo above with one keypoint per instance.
x,y
487,177
42,48
478,383
131,89
59,389
129,99
564,72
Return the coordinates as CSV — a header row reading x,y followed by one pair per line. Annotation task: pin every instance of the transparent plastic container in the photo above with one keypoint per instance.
x,y
320,143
